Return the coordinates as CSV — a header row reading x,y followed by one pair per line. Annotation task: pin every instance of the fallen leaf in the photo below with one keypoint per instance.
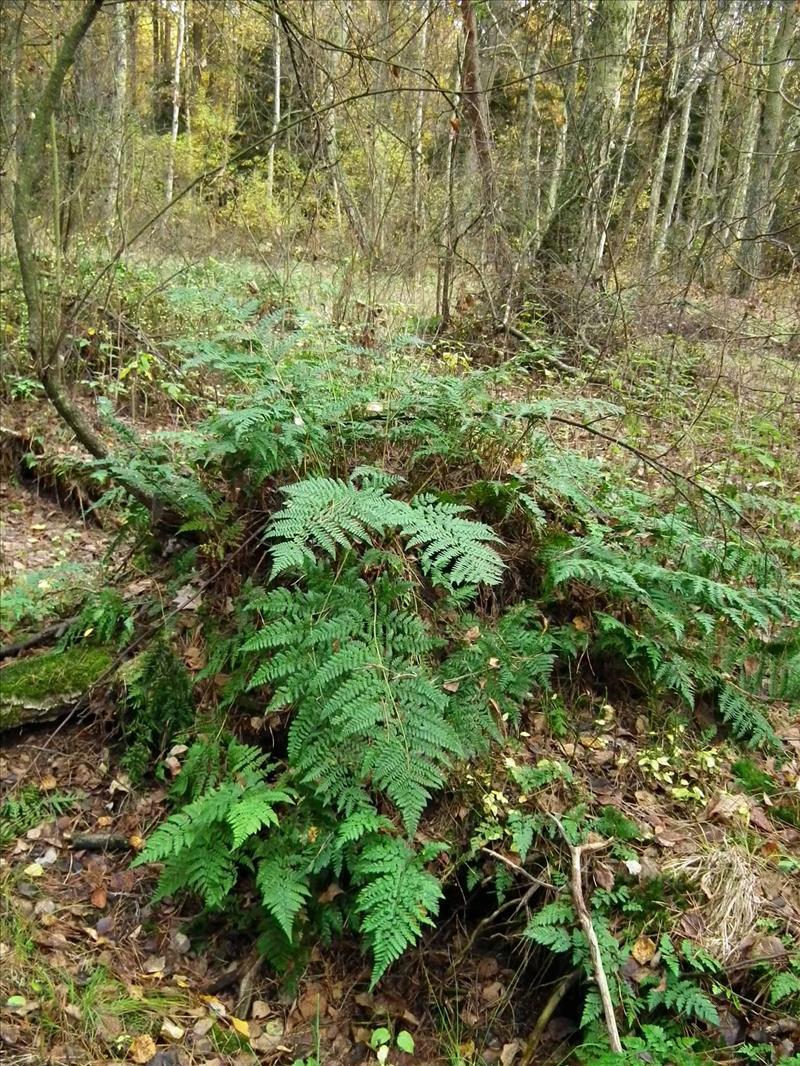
x,y
260,1009
241,1027
331,892
202,1026
509,1052
215,1006
491,993
99,898
142,1049
451,686
643,950
187,598
10,1034
729,807
171,1031
633,866
312,1005
603,876
33,870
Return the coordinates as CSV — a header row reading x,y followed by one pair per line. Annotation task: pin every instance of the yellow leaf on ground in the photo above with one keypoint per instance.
x,y
142,1049
643,950
241,1026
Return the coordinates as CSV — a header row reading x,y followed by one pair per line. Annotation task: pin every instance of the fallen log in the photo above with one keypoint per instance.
x,y
43,688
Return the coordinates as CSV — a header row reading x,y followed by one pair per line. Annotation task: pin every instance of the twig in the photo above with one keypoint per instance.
x,y
246,986
489,919
515,867
576,885
546,1013
545,356
57,629
99,842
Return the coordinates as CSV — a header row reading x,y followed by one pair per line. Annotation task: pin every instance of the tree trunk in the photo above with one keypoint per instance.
x,y
701,196
44,323
626,138
676,31
155,26
679,154
550,207
448,259
476,111
761,194
176,101
416,150
609,39
132,12
276,106
43,328
111,207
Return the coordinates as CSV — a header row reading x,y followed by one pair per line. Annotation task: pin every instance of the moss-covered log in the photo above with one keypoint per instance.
x,y
41,688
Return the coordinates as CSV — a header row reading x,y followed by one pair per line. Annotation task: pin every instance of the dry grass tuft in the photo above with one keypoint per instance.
x,y
729,898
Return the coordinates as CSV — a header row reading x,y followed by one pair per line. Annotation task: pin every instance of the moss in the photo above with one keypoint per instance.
x,y
46,680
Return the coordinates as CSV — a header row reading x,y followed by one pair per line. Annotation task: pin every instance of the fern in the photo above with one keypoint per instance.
x,y
354,667
398,897
784,986
283,890
332,515
199,843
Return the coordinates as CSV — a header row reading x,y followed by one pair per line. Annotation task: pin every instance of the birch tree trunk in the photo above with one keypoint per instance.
x,y
609,39
276,107
176,101
111,210
476,112
679,154
626,139
416,148
761,194
678,15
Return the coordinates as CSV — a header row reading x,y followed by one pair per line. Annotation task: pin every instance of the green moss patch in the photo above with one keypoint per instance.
x,y
49,680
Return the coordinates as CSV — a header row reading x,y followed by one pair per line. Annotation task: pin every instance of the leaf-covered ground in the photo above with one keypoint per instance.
x,y
698,875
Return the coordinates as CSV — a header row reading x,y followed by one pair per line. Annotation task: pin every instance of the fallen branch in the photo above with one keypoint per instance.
x,y
577,851
546,1013
44,636
547,357
99,842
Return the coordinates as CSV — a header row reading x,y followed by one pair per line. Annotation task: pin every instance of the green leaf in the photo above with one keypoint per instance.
x,y
405,1041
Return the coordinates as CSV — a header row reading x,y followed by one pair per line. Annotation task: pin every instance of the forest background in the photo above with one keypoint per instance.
x,y
400,463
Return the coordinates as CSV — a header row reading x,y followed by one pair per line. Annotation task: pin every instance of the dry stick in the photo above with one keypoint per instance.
x,y
576,885
57,630
547,1012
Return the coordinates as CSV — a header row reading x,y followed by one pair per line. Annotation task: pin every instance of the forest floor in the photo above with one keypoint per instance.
x,y
92,971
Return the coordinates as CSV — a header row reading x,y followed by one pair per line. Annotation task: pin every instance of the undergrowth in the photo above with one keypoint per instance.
x,y
435,560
